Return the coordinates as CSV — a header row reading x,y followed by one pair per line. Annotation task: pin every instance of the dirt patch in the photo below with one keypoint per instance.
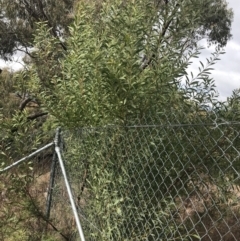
x,y
210,213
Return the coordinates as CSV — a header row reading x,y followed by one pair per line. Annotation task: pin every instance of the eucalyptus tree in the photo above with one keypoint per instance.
x,y
18,22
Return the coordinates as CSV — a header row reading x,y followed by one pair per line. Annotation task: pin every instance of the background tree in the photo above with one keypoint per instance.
x,y
18,22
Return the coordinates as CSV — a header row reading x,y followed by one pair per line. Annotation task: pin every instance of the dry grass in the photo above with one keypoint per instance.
x,y
204,212
207,214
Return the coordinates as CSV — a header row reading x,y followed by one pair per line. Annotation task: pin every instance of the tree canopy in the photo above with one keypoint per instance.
x,y
121,59
114,63
18,20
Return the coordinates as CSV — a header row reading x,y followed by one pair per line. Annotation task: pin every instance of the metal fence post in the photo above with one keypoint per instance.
x,y
73,205
51,185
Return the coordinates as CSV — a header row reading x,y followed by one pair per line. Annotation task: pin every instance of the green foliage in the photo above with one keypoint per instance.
x,y
122,64
216,20
231,110
125,64
18,22
7,103
19,136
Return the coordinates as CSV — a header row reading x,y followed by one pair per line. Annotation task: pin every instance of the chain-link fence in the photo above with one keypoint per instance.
x,y
23,196
26,197
136,182
155,182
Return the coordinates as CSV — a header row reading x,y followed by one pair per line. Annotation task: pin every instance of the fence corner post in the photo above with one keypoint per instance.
x,y
69,191
52,177
57,137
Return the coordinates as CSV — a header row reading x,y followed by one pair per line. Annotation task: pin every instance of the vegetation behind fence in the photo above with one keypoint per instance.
x,y
156,182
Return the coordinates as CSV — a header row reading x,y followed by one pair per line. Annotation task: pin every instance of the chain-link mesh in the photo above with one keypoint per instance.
x,y
61,215
155,182
165,181
23,198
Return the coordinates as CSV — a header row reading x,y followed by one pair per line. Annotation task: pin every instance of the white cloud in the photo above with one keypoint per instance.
x,y
226,72
16,62
233,45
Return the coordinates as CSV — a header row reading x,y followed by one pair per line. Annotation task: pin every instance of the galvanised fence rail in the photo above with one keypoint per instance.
x,y
170,181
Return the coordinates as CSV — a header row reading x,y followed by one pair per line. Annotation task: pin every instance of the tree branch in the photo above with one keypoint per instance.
x,y
35,116
41,215
24,103
161,35
41,16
